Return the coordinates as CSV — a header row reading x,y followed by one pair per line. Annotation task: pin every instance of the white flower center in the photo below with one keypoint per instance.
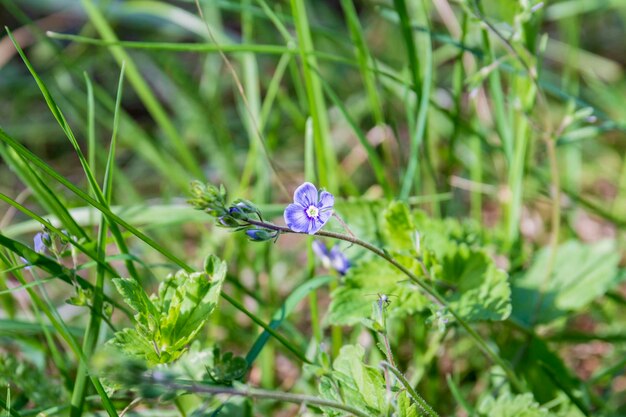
x,y
312,212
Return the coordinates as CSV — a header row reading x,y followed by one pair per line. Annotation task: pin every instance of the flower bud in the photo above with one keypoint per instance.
x,y
261,235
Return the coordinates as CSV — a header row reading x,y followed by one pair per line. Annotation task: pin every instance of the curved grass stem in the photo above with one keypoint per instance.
x,y
264,394
430,291
426,408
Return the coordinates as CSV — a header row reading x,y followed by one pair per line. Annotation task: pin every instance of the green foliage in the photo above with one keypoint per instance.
x,y
354,383
364,387
509,113
405,407
226,367
481,290
580,273
168,321
551,376
452,254
509,405
28,383
353,300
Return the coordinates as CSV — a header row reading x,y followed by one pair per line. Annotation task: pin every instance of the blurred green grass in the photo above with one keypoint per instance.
x,y
452,103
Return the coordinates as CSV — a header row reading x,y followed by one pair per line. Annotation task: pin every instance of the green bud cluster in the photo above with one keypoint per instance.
x,y
237,215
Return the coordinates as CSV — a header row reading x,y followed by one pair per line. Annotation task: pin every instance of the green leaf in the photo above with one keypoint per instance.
x,y
226,368
353,301
508,405
134,295
397,226
360,382
195,297
169,320
405,407
354,383
453,254
362,218
136,345
481,290
580,274
24,379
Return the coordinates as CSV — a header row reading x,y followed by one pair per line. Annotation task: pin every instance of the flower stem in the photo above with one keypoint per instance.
x,y
430,291
426,408
264,394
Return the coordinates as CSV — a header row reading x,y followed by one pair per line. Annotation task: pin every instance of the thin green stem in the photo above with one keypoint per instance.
x,y
264,394
426,408
419,134
119,221
267,328
430,291
143,90
326,159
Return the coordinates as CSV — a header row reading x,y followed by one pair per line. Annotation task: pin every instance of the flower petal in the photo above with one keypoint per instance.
x,y
327,200
38,243
296,218
338,260
316,224
324,215
305,195
321,251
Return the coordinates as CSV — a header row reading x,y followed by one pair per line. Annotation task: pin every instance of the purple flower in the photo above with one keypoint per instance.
x,y
332,258
41,241
310,210
28,266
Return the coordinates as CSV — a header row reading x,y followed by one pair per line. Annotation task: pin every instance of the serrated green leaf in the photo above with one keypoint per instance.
x,y
362,217
134,295
508,405
405,407
328,390
215,267
361,384
397,226
354,383
353,301
191,304
482,291
226,368
169,320
135,345
580,274
452,252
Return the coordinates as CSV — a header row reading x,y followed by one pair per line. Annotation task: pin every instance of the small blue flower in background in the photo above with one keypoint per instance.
x,y
41,241
332,258
310,210
28,266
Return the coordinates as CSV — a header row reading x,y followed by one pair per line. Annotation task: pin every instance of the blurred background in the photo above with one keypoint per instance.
x,y
493,112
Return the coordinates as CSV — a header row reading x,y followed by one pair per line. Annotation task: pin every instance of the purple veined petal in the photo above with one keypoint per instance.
x,y
305,195
315,225
324,215
296,218
327,200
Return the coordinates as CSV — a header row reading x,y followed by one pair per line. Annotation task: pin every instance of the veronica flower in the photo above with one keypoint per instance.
x,y
41,241
333,258
28,266
310,209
